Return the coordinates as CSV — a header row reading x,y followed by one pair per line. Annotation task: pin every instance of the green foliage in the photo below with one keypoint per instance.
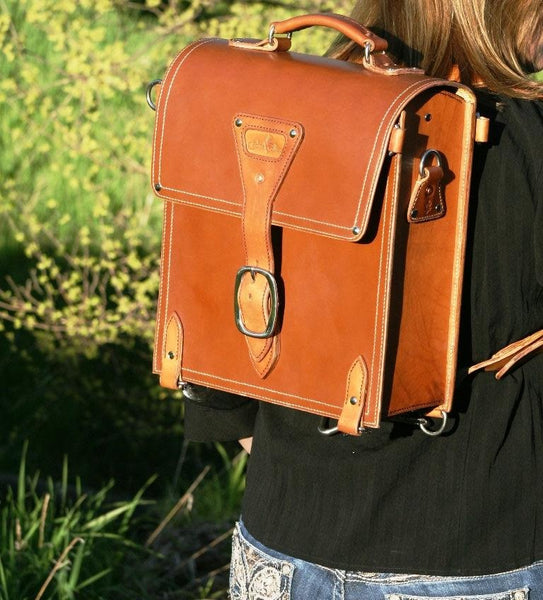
x,y
75,141
74,145
190,548
75,132
107,413
79,259
80,243
60,540
69,86
89,293
221,494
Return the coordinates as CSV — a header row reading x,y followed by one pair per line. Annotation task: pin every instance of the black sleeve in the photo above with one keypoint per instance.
x,y
216,416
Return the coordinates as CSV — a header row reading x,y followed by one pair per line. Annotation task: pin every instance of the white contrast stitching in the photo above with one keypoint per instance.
x,y
257,393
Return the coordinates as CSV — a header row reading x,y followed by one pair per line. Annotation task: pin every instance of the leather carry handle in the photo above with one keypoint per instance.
x,y
344,25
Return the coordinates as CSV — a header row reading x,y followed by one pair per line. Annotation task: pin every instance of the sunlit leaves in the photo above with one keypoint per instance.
x,y
75,145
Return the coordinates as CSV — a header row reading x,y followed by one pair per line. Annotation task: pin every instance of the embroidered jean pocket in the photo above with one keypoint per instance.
x,y
256,576
521,594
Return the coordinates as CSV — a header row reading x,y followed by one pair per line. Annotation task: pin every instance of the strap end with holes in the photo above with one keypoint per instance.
x,y
505,359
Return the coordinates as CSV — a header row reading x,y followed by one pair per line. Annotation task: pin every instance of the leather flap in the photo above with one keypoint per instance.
x,y
330,185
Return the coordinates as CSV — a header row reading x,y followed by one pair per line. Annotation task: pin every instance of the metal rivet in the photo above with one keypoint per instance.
x,y
353,400
427,117
414,214
238,122
429,190
437,207
356,230
259,178
171,355
158,187
293,133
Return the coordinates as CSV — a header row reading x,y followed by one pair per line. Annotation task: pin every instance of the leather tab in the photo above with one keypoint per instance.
x,y
382,63
482,127
277,44
173,353
427,199
506,358
397,136
351,418
266,148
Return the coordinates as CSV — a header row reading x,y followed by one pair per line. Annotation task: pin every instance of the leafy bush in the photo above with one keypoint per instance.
x,y
75,142
81,227
79,254
75,133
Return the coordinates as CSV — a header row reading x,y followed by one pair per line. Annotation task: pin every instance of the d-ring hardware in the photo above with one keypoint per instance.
x,y
325,429
188,390
367,51
274,295
430,152
150,87
271,34
434,432
328,430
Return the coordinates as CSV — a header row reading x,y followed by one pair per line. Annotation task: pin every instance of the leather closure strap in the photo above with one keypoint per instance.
x,y
266,148
506,358
173,353
351,418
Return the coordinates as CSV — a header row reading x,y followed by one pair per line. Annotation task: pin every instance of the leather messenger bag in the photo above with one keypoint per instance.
x,y
314,226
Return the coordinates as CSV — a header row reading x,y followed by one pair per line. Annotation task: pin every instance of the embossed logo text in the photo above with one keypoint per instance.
x,y
264,143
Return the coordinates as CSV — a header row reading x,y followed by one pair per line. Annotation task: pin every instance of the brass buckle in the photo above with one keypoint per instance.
x,y
272,319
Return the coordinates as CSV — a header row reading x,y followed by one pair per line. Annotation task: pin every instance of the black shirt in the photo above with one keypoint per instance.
x,y
395,500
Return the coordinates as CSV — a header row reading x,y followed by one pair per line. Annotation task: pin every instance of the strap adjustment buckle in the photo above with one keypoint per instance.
x,y
273,302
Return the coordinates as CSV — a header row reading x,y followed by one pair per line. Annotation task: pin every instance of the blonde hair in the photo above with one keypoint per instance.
x,y
495,44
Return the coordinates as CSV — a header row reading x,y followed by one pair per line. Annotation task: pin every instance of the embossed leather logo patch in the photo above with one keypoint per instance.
x,y
264,143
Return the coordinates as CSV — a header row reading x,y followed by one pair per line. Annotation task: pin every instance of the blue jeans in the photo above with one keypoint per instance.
x,y
259,573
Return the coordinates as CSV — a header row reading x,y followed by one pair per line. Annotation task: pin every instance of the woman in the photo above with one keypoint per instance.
x,y
393,513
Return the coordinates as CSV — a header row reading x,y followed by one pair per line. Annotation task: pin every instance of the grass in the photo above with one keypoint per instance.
x,y
56,541
64,541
